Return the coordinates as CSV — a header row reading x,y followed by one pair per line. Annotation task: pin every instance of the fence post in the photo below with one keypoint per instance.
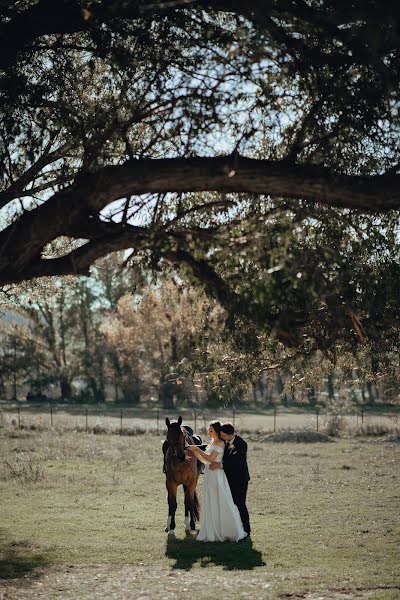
x,y
120,428
317,412
158,419
19,418
362,417
86,420
274,420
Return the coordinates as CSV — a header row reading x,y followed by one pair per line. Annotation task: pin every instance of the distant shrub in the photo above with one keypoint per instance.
x,y
377,429
335,425
111,430
100,429
395,418
37,426
299,437
135,430
24,468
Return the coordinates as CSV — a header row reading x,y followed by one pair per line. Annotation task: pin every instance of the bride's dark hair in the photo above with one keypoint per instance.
x,y
216,425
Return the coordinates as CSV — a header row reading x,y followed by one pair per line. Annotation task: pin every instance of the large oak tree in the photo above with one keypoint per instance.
x,y
239,141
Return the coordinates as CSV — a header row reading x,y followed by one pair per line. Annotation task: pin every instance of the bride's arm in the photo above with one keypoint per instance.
x,y
202,456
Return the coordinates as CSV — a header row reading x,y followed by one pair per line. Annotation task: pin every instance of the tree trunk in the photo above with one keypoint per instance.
x,y
166,396
131,390
312,398
254,391
331,387
14,371
65,387
370,391
14,384
363,396
280,387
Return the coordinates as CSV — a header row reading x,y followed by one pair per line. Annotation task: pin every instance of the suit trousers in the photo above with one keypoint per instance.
x,y
239,493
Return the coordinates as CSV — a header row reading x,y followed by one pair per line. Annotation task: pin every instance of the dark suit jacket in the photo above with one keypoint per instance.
x,y
235,462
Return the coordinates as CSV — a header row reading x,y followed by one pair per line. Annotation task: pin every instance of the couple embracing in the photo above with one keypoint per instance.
x,y
226,477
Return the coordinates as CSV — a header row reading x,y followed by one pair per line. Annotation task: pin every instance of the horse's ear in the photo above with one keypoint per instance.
x,y
180,421
168,422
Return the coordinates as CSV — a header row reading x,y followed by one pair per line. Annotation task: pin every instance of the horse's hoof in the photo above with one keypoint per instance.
x,y
171,533
191,532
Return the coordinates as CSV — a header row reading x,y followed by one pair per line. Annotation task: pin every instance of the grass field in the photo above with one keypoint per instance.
x,y
83,516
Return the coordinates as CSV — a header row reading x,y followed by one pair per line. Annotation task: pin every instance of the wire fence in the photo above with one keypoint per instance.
x,y
128,420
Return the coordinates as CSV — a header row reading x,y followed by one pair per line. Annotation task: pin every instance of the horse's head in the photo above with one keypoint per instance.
x,y
176,438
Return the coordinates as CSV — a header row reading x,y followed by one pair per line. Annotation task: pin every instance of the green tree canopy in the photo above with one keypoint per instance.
x,y
252,145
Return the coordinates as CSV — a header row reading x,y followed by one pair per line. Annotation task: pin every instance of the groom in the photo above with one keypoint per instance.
x,y
236,470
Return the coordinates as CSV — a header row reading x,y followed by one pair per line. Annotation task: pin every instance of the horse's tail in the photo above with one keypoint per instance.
x,y
196,506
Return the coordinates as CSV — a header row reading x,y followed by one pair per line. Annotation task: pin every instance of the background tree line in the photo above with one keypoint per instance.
x,y
133,335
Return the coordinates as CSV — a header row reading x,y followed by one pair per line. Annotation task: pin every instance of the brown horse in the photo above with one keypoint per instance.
x,y
181,468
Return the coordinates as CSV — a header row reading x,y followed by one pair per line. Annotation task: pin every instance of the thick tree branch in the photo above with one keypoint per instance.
x,y
69,212
107,238
214,284
236,174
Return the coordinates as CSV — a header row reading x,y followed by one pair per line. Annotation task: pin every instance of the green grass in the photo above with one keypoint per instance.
x,y
324,516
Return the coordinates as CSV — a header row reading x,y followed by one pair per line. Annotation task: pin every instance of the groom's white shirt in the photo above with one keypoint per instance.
x,y
230,443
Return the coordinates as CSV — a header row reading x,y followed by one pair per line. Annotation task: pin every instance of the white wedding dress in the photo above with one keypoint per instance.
x,y
220,519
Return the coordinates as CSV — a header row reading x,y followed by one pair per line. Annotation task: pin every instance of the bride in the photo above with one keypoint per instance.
x,y
220,519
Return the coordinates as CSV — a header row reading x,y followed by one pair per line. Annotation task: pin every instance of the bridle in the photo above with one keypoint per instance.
x,y
177,445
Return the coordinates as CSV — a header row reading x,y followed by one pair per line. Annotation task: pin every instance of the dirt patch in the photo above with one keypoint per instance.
x,y
146,582
139,582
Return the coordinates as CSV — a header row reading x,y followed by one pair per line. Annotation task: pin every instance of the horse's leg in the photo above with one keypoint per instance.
x,y
193,506
172,488
187,509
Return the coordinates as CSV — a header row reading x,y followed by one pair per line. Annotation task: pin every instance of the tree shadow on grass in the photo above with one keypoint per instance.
x,y
228,555
18,558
